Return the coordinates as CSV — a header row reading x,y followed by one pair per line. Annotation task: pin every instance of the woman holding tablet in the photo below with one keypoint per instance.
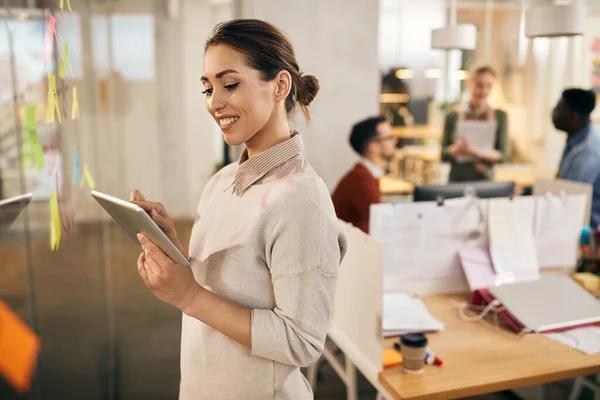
x,y
467,163
266,245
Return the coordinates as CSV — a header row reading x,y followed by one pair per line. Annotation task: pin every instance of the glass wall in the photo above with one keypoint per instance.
x,y
131,117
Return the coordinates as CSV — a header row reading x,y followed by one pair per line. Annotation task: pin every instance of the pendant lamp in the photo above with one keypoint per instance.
x,y
553,20
454,36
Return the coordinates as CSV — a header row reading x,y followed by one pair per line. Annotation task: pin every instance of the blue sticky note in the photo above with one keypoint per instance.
x,y
76,169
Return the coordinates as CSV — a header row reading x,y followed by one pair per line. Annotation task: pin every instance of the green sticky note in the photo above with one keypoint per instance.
x,y
31,117
32,148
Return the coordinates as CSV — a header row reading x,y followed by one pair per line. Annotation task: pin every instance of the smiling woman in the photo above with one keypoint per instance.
x,y
266,246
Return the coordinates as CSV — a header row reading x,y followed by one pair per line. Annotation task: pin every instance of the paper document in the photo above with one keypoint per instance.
x,y
557,229
512,245
398,229
586,339
481,135
404,313
478,268
446,231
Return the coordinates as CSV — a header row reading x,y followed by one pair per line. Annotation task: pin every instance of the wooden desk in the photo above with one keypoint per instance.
x,y
393,186
522,177
416,132
479,359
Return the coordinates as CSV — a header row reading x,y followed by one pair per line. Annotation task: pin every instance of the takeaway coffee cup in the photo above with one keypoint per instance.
x,y
413,350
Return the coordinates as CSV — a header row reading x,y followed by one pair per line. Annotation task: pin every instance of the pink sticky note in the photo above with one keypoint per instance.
x,y
596,45
478,267
595,80
49,38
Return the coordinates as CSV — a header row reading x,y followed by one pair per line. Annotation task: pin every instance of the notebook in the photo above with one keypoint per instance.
x,y
548,304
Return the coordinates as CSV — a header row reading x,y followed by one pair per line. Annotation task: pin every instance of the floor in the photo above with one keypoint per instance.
x,y
104,336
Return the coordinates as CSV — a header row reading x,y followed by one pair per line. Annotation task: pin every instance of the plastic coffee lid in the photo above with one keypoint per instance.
x,y
413,340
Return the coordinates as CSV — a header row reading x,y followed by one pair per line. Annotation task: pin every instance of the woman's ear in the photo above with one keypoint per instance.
x,y
283,85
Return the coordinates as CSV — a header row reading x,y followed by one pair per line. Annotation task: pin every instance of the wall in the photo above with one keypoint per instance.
x,y
155,135
337,42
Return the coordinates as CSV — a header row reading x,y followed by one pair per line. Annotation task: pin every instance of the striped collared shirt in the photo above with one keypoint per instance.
x,y
271,162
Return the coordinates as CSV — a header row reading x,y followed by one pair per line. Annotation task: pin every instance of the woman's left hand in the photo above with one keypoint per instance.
x,y
171,282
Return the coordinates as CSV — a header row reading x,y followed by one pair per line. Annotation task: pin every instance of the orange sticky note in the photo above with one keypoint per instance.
x,y
52,102
87,178
19,349
391,358
55,231
75,107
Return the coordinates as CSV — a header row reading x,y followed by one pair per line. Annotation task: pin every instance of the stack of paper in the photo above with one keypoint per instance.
x,y
586,339
403,313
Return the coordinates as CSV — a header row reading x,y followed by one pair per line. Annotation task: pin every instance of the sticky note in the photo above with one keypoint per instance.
x,y
32,148
64,62
391,358
76,169
75,107
52,102
49,38
55,231
596,45
19,347
62,5
87,177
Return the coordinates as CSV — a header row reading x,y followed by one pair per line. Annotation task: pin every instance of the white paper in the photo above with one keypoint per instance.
x,y
446,231
422,240
481,135
512,245
403,313
558,228
586,339
398,228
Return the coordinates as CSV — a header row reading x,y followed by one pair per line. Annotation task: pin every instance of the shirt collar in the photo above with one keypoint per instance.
x,y
251,170
373,169
579,137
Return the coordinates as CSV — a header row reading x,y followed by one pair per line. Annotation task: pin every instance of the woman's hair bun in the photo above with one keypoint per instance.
x,y
309,90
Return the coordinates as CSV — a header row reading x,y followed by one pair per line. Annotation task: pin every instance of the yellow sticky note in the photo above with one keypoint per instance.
x,y
64,62
52,104
62,5
19,347
54,222
87,177
75,107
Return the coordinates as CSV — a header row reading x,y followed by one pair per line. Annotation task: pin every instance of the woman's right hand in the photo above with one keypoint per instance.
x,y
460,148
159,214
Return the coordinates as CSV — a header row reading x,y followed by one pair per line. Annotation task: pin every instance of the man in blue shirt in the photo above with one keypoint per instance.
x,y
581,157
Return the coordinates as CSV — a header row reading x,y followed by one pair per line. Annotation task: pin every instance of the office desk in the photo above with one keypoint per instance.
x,y
479,359
394,186
523,177
417,132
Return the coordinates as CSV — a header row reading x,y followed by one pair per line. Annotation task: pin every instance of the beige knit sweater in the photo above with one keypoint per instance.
x,y
267,238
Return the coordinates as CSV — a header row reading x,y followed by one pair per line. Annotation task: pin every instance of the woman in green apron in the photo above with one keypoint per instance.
x,y
468,164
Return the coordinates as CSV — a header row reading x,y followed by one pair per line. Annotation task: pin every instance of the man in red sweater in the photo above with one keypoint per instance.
x,y
372,139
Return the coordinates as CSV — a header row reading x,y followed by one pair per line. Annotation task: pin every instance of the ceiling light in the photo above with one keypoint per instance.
x,y
404,73
553,20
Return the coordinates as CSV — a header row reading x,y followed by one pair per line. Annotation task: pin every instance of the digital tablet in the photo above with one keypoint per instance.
x,y
11,208
134,219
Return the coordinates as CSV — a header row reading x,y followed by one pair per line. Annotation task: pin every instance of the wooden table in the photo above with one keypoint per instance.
x,y
479,359
417,132
522,177
394,186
